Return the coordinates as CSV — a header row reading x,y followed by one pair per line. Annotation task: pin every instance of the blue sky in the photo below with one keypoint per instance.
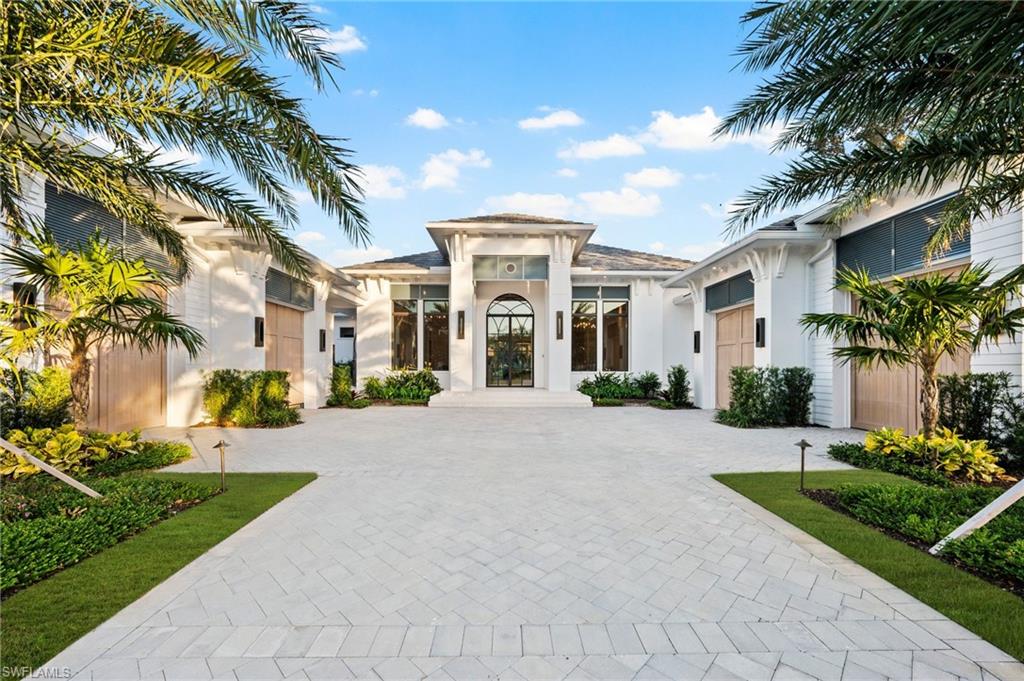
x,y
596,112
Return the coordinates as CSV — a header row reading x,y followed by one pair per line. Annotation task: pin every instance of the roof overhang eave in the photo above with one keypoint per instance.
x,y
749,241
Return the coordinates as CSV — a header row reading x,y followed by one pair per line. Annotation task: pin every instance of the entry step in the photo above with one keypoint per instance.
x,y
511,397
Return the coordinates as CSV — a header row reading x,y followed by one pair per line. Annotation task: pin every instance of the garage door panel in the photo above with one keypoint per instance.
x,y
284,341
128,389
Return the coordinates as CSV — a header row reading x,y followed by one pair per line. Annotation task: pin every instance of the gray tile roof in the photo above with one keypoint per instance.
x,y
595,256
516,219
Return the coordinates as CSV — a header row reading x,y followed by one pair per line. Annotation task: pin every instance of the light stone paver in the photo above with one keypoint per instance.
x,y
523,544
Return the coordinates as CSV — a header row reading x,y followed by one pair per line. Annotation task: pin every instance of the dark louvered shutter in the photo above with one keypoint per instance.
x,y
912,231
869,249
73,219
286,289
733,290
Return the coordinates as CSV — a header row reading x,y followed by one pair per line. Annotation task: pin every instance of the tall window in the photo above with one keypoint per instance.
x,y
435,334
616,335
403,334
584,335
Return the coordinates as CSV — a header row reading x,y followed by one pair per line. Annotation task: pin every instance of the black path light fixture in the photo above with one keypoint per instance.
x,y
803,445
221,445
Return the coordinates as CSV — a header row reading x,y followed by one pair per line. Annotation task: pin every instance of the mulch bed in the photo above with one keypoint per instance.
x,y
829,498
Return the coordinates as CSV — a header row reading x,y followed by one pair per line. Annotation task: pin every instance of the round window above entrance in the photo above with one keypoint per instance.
x,y
510,268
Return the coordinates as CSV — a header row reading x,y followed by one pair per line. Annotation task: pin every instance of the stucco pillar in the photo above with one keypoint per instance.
x,y
559,300
315,364
462,299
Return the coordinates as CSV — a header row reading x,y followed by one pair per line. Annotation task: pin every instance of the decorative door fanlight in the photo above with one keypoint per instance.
x,y
504,267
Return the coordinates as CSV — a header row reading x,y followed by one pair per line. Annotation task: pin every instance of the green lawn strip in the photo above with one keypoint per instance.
x,y
990,612
43,619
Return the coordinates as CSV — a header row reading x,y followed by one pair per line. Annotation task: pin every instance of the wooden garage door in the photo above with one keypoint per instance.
x,y
891,398
734,346
129,389
284,345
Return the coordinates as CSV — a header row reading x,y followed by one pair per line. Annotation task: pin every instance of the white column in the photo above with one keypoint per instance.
x,y
559,299
315,364
462,298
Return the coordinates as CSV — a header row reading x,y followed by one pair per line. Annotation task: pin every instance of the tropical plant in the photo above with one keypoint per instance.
x,y
649,384
92,299
943,451
248,398
406,385
611,385
884,97
341,385
678,392
140,76
68,449
971,404
30,399
768,396
918,321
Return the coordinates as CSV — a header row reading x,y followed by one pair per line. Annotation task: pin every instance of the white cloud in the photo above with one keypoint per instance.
x,y
562,118
700,251
598,239
653,177
626,201
615,145
342,41
355,256
382,182
657,247
443,170
567,172
359,92
306,238
696,132
721,211
426,118
301,196
548,205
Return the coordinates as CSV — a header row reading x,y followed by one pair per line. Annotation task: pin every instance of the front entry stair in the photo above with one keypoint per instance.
x,y
511,397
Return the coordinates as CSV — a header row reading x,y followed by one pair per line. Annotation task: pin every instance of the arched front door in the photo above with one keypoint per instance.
x,y
510,342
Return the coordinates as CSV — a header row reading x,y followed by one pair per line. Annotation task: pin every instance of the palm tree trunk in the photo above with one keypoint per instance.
x,y
79,367
929,397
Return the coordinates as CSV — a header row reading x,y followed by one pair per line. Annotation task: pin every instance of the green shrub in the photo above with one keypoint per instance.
x,y
341,386
678,392
661,404
984,406
649,384
248,398
611,386
48,526
854,454
928,514
767,396
405,384
65,448
360,403
945,452
608,402
150,454
35,399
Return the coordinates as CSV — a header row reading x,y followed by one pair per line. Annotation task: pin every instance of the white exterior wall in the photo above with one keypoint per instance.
x,y
373,331
676,332
821,360
1000,242
316,365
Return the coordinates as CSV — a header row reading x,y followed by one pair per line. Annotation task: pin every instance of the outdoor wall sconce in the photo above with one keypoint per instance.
x,y
559,330
323,340
461,327
258,332
696,342
759,339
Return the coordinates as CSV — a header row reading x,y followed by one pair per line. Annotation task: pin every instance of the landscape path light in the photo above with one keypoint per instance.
x,y
803,445
221,445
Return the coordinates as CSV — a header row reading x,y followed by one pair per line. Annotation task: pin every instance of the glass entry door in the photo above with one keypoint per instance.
x,y
510,342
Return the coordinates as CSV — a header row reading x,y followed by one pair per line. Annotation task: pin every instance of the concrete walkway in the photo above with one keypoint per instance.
x,y
512,544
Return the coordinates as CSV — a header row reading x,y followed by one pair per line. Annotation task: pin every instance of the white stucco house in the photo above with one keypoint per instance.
x,y
742,305
517,308
252,313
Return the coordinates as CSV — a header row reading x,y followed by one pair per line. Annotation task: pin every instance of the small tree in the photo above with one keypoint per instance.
x,y
91,298
918,321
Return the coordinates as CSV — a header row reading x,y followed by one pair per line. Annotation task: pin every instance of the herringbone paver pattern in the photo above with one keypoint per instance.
x,y
494,544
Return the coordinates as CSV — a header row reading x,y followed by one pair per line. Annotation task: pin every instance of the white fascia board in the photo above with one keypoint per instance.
x,y
632,274
751,240
438,231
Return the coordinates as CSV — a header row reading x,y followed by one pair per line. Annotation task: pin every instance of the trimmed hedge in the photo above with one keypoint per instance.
x,y
985,406
768,396
48,526
608,402
927,514
341,386
611,386
248,399
678,392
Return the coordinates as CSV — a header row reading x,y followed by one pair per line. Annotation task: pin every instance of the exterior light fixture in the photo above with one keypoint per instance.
x,y
460,332
803,445
559,324
221,445
696,342
258,331
323,340
759,335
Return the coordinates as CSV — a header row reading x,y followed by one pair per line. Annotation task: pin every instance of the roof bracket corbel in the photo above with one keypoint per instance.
x,y
780,263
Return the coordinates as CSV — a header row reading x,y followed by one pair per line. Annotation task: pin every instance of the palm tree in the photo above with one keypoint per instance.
x,y
92,298
918,321
884,97
142,76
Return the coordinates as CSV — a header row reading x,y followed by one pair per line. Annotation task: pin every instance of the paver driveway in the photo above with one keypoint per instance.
x,y
524,544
